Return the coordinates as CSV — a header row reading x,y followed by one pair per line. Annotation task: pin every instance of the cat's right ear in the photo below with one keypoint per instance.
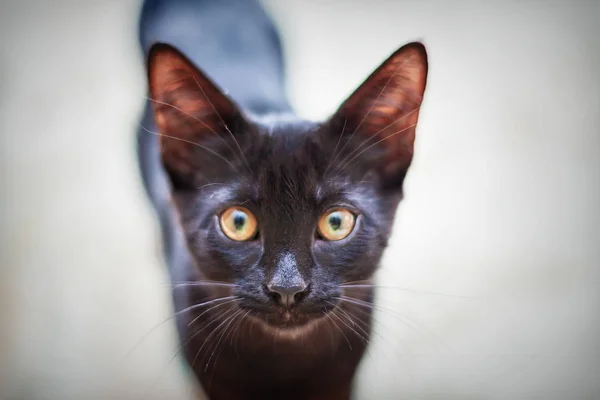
x,y
191,113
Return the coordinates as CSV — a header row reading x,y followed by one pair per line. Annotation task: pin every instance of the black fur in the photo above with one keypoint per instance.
x,y
247,148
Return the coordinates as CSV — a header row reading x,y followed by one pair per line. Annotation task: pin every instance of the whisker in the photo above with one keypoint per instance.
x,y
237,325
238,336
210,184
223,122
369,347
197,280
335,155
200,283
331,340
340,329
192,143
210,335
212,308
376,100
367,325
341,309
221,317
401,318
349,327
231,333
184,113
194,117
174,315
221,338
375,286
346,164
179,349
252,324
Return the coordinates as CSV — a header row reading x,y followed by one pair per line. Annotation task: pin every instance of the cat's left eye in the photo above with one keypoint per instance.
x,y
336,224
239,224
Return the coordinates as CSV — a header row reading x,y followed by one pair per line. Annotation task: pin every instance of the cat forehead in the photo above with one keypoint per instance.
x,y
294,158
298,177
285,144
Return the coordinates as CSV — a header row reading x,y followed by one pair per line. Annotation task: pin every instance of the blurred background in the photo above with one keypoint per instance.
x,y
496,246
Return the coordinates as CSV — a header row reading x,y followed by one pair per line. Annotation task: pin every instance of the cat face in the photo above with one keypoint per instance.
x,y
286,210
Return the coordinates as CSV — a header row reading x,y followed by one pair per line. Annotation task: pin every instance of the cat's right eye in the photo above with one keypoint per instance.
x,y
239,224
336,224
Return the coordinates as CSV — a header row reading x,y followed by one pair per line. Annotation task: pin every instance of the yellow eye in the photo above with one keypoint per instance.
x,y
336,224
238,224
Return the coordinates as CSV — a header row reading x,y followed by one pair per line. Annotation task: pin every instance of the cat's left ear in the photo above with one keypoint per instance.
x,y
379,119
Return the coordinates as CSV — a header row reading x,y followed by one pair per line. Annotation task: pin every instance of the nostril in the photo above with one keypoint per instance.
x,y
272,294
276,297
298,297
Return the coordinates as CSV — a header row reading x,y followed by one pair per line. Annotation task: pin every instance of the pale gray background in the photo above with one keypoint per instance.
x,y
502,200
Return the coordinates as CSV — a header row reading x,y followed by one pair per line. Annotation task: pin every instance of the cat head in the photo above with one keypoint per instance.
x,y
286,210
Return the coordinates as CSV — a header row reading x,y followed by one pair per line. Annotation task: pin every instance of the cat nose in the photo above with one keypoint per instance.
x,y
287,295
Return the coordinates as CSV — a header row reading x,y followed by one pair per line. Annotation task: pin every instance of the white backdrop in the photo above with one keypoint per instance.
x,y
501,211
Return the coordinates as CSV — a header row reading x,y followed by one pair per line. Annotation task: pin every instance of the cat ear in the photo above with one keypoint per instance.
x,y
379,119
190,112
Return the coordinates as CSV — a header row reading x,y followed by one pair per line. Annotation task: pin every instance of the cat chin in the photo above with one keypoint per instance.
x,y
290,332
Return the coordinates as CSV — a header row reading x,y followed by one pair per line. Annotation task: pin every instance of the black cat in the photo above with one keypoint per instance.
x,y
273,226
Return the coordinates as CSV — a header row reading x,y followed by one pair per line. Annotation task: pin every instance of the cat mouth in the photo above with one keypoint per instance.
x,y
287,320
289,325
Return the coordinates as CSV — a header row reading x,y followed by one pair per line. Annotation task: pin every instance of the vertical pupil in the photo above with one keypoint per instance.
x,y
239,219
335,221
